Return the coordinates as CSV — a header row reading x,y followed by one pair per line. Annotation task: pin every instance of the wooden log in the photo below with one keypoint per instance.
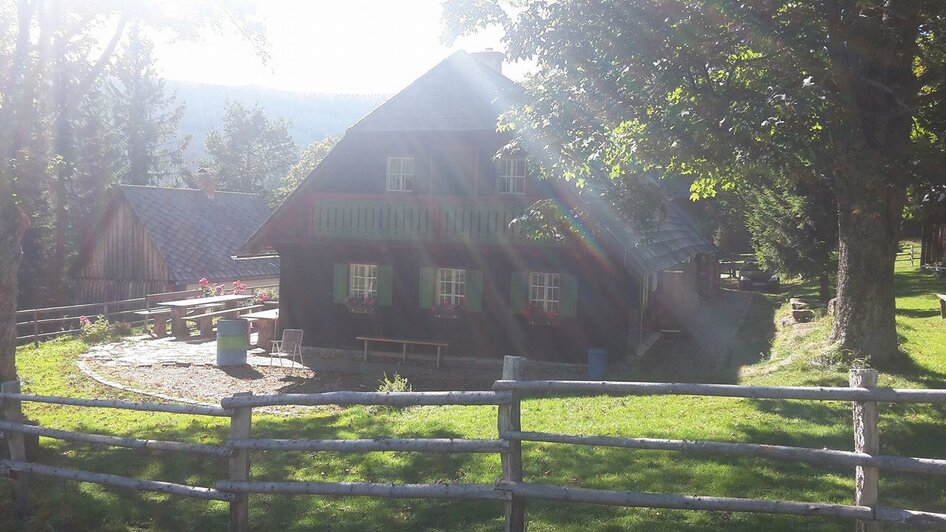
x,y
239,468
683,502
817,393
780,452
13,413
124,405
436,445
371,398
866,440
118,481
116,441
508,420
368,489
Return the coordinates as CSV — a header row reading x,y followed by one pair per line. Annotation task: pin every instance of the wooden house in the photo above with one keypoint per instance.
x,y
404,230
153,240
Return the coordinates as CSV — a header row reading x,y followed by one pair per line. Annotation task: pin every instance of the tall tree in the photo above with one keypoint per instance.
x,y
310,158
146,116
848,91
250,152
50,60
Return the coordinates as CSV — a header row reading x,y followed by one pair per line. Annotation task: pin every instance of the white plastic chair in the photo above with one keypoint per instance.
x,y
290,345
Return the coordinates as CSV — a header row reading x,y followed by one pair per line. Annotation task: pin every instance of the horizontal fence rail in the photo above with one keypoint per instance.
x,y
817,393
512,489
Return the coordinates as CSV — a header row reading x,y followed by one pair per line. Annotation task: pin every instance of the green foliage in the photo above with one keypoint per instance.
x,y
94,331
311,157
250,152
394,383
146,116
120,329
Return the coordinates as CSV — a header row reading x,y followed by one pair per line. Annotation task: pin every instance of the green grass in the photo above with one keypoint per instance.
x,y
913,430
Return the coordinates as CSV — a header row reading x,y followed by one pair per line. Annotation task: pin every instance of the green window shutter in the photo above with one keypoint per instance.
x,y
426,285
385,285
519,292
474,290
568,296
340,283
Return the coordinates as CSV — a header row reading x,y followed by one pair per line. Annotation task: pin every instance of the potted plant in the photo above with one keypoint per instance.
x,y
536,314
445,310
361,304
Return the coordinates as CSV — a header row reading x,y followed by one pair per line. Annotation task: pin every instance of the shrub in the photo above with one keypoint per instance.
x,y
94,331
120,329
394,383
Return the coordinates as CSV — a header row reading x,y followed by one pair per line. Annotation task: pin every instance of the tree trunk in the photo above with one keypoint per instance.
x,y
868,230
13,223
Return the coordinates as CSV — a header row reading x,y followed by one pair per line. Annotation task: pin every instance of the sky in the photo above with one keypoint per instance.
x,y
328,46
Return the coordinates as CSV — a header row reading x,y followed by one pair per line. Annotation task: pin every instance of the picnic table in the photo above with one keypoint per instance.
x,y
180,308
267,327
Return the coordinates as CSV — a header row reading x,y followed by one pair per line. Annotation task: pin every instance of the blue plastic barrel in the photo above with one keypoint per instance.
x,y
231,342
597,363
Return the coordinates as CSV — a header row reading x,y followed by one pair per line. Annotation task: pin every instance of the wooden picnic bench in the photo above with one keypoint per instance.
x,y
942,305
180,309
205,321
161,317
266,320
441,346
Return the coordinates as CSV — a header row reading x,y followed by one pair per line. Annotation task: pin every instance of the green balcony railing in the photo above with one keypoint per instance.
x,y
424,220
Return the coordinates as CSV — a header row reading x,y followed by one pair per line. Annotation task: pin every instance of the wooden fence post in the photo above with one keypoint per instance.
x,y
240,424
13,411
866,440
509,420
35,328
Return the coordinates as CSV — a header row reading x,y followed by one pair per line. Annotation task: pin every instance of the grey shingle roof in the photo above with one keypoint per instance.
x,y
458,94
197,235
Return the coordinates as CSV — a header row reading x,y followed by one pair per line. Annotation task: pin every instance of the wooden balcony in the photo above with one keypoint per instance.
x,y
484,221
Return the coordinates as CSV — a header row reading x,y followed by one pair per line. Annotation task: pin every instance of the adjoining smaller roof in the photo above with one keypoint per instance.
x,y
197,235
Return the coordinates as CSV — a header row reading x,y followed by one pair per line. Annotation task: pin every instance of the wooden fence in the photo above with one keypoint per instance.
x,y
908,254
512,489
33,325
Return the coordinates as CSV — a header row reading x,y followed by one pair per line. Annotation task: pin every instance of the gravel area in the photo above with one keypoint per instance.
x,y
188,370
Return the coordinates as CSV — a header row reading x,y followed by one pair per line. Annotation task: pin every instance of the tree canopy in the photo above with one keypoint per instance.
x,y
846,94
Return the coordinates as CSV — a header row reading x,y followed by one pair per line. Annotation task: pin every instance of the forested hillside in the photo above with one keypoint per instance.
x,y
313,116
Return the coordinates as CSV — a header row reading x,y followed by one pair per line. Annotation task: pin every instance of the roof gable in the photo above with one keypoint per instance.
x,y
197,235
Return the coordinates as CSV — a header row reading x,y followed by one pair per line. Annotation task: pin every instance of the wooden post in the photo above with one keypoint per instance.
x,y
35,328
509,421
240,424
866,440
105,310
12,411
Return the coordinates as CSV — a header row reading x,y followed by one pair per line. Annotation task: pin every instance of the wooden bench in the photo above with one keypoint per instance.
x,y
441,346
942,305
161,317
205,321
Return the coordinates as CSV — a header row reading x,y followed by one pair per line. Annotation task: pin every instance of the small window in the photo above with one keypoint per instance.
x,y
544,290
400,174
363,281
511,176
451,286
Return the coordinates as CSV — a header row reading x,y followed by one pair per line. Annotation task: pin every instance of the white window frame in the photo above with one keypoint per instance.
x,y
399,174
363,280
451,286
545,290
511,175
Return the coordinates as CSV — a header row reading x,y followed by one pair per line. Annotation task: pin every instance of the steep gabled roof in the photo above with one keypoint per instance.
x,y
197,235
458,94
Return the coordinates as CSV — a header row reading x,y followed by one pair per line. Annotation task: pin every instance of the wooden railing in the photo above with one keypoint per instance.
x,y
512,489
33,325
416,220
907,254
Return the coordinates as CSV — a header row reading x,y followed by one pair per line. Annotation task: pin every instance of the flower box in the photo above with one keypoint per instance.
x,y
446,311
361,305
537,315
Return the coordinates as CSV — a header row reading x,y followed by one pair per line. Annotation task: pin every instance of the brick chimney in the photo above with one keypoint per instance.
x,y
207,182
490,58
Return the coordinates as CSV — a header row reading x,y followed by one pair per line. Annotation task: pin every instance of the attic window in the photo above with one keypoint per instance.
x,y
400,174
511,176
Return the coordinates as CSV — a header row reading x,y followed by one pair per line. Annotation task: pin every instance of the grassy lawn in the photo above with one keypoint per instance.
x,y
788,360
